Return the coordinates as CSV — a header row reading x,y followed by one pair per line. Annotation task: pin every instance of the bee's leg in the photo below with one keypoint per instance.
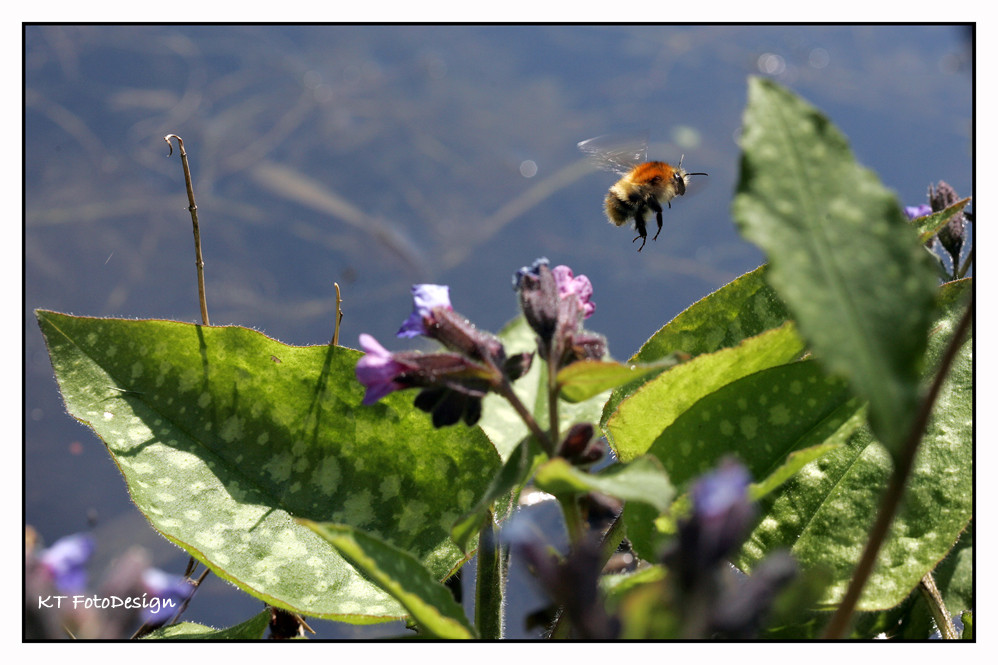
x,y
653,204
639,224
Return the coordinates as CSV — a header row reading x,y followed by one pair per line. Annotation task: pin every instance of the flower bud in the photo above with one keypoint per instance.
x,y
952,235
720,521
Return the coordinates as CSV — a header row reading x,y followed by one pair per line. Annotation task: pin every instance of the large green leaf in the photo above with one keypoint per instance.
x,y
775,421
841,252
824,513
742,308
643,416
224,436
430,603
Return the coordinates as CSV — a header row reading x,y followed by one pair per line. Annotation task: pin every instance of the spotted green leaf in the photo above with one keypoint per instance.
x,y
643,416
774,421
744,307
824,513
842,254
225,436
251,629
429,603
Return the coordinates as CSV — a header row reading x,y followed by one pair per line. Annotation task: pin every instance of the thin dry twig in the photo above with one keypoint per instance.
x,y
339,316
199,261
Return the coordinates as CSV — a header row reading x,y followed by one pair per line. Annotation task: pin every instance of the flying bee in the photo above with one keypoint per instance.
x,y
644,186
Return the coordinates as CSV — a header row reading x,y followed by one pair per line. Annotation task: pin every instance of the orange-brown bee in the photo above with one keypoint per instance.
x,y
644,186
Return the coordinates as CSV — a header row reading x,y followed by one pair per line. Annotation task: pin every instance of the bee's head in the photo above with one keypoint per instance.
x,y
682,177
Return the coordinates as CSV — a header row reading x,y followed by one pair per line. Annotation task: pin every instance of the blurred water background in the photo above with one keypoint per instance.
x,y
382,156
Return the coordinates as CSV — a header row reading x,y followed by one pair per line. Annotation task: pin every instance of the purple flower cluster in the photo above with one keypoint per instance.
x,y
721,518
452,383
131,588
66,561
171,590
555,302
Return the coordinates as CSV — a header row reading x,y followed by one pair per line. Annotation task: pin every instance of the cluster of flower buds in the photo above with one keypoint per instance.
x,y
698,559
453,382
581,446
555,302
951,236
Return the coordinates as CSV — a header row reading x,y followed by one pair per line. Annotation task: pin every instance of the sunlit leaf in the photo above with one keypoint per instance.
x,y
641,480
429,603
584,379
742,308
774,421
824,513
224,436
641,418
842,254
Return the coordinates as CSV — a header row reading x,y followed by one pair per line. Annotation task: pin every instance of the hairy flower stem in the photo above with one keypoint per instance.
x,y
506,390
490,584
573,517
553,401
966,265
930,592
903,463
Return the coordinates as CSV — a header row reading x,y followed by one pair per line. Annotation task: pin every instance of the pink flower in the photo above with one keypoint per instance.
x,y
377,371
580,287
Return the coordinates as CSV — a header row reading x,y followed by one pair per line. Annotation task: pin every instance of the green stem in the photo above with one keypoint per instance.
x,y
903,463
573,517
506,390
491,582
553,401
937,607
966,265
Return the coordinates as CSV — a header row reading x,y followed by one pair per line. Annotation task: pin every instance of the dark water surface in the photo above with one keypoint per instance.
x,y
379,157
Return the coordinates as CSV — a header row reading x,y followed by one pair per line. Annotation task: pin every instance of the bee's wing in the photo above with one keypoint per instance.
x,y
616,152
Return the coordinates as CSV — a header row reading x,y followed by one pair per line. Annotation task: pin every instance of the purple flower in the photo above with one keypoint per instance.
x,y
721,491
914,212
66,561
377,370
554,303
579,287
534,270
720,520
168,592
425,298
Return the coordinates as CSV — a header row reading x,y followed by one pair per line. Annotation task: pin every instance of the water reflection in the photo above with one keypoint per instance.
x,y
380,156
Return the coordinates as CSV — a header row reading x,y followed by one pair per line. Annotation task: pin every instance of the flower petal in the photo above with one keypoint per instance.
x,y
425,298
